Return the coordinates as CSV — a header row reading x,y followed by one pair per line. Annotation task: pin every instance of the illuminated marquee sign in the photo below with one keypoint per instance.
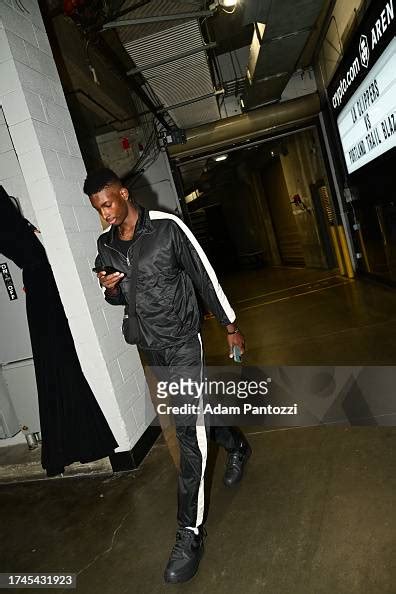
x,y
367,124
363,91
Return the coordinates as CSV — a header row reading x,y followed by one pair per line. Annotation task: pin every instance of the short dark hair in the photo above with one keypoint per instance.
x,y
100,179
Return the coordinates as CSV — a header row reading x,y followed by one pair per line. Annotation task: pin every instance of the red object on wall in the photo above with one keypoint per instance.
x,y
296,199
125,143
70,6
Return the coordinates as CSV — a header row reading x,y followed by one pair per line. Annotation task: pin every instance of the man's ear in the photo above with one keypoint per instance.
x,y
124,192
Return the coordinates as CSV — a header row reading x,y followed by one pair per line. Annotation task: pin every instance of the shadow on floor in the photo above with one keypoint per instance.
x,y
314,514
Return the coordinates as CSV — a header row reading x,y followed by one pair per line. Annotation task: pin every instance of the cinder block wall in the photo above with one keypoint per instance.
x,y
11,177
45,144
155,189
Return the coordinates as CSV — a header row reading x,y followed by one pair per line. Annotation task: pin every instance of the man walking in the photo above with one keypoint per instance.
x,y
160,267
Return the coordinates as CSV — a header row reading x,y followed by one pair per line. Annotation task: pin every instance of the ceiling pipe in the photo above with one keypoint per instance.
x,y
258,122
159,18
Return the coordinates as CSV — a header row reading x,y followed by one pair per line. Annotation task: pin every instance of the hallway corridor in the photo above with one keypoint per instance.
x,y
315,511
314,515
299,316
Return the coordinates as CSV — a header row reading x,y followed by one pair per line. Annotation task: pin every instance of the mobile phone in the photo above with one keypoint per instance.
x,y
106,269
236,352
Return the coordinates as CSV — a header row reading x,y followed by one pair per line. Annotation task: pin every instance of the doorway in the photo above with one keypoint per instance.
x,y
272,201
285,227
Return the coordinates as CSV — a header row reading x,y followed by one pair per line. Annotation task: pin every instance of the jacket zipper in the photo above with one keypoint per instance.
x,y
122,255
117,252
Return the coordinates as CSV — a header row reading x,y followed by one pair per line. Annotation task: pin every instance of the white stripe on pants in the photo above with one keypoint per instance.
x,y
203,448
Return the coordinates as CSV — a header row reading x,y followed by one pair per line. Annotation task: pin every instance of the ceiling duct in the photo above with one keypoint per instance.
x,y
245,127
174,63
278,42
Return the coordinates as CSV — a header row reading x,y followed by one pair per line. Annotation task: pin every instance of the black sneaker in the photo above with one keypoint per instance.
x,y
185,556
236,461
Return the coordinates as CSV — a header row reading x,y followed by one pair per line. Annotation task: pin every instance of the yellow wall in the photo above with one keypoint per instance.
x,y
288,237
303,166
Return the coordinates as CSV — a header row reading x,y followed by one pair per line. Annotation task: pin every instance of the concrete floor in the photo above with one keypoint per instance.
x,y
293,316
315,513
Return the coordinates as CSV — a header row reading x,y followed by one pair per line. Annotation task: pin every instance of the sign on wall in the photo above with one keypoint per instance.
x,y
9,283
362,93
367,124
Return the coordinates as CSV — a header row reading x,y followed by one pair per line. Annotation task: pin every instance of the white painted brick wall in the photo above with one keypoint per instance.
x,y
38,164
114,369
9,166
40,61
49,157
72,143
42,40
5,140
51,137
72,167
156,188
68,191
8,77
57,115
18,48
33,80
114,155
21,106
24,137
11,177
86,221
16,23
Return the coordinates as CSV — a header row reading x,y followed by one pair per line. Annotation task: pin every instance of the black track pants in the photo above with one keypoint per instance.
x,y
184,362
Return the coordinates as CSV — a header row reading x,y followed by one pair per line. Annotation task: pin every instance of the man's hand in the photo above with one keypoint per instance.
x,y
236,339
110,281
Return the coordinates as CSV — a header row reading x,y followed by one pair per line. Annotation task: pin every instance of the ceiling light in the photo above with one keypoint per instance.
x,y
226,5
221,158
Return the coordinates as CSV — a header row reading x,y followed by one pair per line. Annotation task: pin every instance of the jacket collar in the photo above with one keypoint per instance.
x,y
143,224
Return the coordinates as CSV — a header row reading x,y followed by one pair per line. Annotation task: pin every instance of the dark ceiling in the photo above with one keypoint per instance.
x,y
289,25
291,30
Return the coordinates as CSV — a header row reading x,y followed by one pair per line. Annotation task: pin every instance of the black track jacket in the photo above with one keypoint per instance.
x,y
172,266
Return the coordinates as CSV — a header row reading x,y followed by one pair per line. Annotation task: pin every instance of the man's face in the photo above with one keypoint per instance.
x,y
111,203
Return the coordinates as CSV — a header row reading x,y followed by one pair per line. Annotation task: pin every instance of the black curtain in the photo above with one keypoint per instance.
x,y
73,427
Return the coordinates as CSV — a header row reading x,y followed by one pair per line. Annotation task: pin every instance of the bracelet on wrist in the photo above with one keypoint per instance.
x,y
236,331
